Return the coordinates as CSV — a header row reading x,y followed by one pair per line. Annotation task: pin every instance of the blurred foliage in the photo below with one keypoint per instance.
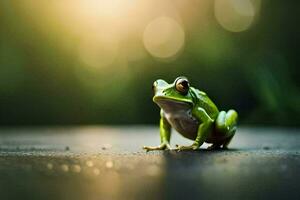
x,y
53,70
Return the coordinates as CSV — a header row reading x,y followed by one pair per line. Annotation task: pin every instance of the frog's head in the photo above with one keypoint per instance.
x,y
174,96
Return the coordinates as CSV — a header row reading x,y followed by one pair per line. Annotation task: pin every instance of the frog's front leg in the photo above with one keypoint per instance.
x,y
203,131
205,128
165,135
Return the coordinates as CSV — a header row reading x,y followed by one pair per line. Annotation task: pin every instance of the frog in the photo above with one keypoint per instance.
x,y
193,115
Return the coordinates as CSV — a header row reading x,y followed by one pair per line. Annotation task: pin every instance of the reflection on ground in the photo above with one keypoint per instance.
x,y
108,163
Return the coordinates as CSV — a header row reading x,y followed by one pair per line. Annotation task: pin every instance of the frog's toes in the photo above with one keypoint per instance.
x,y
152,148
187,148
163,146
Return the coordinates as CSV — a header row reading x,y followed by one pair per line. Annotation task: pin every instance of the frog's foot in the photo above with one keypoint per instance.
x,y
194,146
214,147
162,146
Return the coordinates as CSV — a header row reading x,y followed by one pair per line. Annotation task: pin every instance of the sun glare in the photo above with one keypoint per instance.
x,y
103,32
99,50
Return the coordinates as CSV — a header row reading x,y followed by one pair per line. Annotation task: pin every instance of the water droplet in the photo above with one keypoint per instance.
x,y
64,168
109,164
89,163
76,168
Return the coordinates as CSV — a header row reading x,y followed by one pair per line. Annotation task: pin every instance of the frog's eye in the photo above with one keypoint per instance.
x,y
182,85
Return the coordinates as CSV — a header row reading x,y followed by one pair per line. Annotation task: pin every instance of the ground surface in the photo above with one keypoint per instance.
x,y
108,163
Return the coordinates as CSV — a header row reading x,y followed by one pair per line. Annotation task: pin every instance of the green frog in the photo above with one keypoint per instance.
x,y
192,114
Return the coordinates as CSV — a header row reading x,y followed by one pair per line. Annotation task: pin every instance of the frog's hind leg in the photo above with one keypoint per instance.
x,y
228,140
226,125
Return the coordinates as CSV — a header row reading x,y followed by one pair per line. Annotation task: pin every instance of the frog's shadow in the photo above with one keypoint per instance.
x,y
218,150
183,159
204,150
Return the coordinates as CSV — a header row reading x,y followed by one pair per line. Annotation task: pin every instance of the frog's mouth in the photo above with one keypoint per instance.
x,y
170,104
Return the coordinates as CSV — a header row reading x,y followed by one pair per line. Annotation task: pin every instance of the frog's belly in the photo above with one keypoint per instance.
x,y
184,123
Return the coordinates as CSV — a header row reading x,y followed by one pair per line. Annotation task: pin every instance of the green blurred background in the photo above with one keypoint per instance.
x,y
69,62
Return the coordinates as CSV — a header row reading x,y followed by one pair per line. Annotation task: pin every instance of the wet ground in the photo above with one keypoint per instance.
x,y
108,163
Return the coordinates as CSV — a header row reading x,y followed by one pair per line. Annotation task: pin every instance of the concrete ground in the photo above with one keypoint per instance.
x,y
108,163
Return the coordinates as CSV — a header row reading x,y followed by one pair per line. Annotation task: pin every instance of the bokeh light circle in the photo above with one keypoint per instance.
x,y
236,15
163,37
